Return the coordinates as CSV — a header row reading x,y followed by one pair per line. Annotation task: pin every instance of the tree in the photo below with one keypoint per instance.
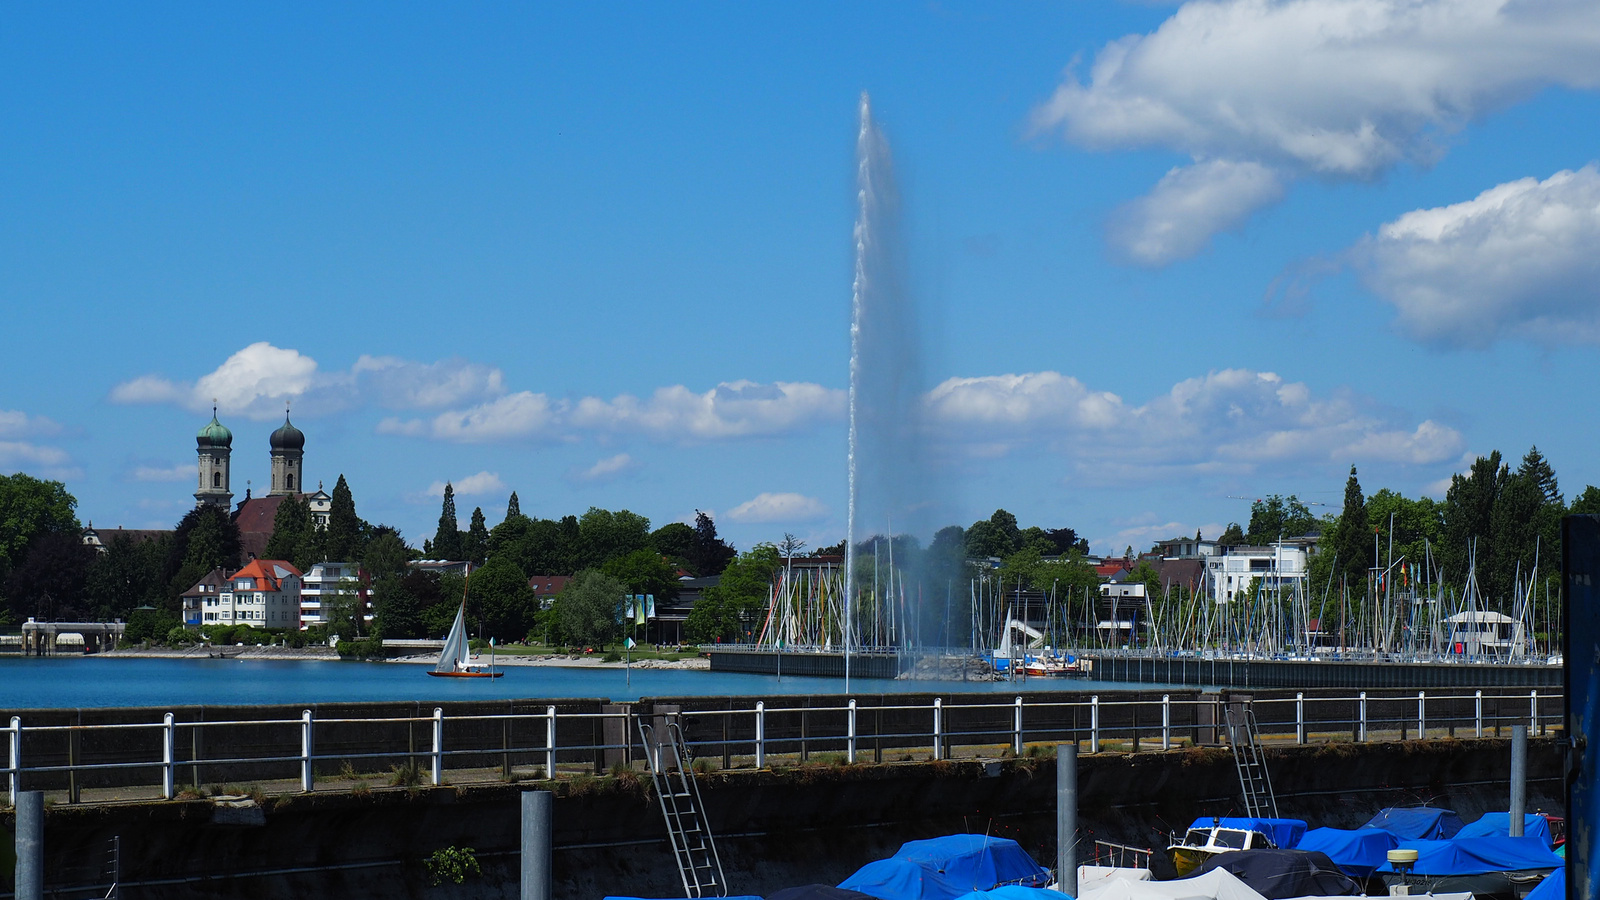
x,y
346,536
605,535
500,596
447,540
1279,517
587,608
29,507
729,610
513,507
127,575
206,538
1352,553
1586,503
675,541
1469,513
644,572
396,611
476,545
344,610
386,555
49,582
711,554
292,534
1232,536
1067,540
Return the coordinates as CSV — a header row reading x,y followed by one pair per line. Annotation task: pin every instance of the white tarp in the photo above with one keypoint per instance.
x,y
1217,884
1092,877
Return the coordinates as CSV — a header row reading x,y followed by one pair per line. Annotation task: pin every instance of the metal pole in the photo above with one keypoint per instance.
x,y
1166,721
1016,729
1519,777
1533,712
1067,819
938,732
1363,717
761,734
1300,718
14,767
30,845
166,757
1478,714
550,742
538,831
1422,715
438,745
1094,724
852,735
307,777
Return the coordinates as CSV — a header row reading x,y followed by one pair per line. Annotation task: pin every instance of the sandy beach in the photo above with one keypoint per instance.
x,y
574,661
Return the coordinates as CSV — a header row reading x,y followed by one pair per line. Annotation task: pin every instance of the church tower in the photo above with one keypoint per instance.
x,y
288,447
214,444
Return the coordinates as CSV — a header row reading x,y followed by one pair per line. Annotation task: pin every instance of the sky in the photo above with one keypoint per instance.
x,y
1164,258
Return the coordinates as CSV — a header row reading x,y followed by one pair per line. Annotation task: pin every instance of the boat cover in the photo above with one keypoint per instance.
x,y
818,892
1479,856
1217,884
1014,892
902,879
1417,823
1286,833
976,862
1357,851
1281,874
1553,887
1498,824
1091,876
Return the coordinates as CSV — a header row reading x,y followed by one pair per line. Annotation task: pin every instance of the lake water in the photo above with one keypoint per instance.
x,y
66,682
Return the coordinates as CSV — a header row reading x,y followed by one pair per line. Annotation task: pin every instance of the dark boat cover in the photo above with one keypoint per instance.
x,y
976,862
1279,874
1417,823
1498,824
818,892
1553,887
1286,833
1479,855
1358,852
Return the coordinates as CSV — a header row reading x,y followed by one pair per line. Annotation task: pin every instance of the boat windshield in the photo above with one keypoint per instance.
x,y
1197,837
1233,840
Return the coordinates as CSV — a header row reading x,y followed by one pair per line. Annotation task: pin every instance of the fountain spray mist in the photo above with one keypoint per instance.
x,y
890,483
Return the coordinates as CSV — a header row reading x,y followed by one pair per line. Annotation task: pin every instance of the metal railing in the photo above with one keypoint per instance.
x,y
116,760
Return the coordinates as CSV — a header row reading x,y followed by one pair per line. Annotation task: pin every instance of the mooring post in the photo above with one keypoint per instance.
x,y
30,845
1166,721
14,755
1016,729
1422,715
166,758
1519,777
438,745
1363,717
852,735
550,742
1094,724
1533,712
938,728
761,734
538,832
307,776
1300,717
1067,818
1477,714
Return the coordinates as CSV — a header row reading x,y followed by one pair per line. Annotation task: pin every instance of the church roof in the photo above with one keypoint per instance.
x,y
288,437
214,434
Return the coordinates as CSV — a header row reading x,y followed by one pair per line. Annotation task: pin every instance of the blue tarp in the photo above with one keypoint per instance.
x,y
1553,887
1286,833
976,862
1357,851
902,879
1479,855
1498,824
1417,823
1015,892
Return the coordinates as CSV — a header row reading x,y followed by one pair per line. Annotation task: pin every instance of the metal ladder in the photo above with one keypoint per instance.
x,y
672,772
1243,737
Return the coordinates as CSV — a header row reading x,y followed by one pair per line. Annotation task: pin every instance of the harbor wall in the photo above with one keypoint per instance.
x,y
1284,673
775,827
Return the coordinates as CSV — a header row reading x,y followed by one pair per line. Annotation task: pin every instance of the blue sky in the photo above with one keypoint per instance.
x,y
1165,255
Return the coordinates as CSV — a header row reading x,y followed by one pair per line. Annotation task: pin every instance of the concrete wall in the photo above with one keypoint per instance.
x,y
775,828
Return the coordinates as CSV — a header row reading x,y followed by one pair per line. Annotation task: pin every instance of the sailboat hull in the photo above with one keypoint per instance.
x,y
465,674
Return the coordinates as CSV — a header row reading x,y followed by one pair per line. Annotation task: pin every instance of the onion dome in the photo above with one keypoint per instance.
x,y
288,437
214,434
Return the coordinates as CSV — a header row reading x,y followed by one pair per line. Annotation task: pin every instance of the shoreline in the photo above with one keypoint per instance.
x,y
328,654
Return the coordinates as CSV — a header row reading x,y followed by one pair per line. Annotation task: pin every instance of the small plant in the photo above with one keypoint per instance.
x,y
704,766
348,771
190,793
451,864
408,775
611,656
361,788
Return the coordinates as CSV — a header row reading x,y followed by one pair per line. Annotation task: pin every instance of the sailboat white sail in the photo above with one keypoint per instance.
x,y
454,660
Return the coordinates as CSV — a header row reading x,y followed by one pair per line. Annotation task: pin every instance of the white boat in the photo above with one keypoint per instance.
x,y
455,660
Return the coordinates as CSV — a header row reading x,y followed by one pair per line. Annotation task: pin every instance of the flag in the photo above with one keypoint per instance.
x,y
650,604
631,644
639,609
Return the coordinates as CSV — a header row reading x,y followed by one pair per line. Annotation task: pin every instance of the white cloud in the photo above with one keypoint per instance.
x,y
1233,419
180,472
1336,88
520,415
257,382
17,424
606,469
1180,214
1520,260
470,486
729,410
784,507
38,460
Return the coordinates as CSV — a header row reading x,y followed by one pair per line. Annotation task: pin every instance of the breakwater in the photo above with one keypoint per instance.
x,y
783,825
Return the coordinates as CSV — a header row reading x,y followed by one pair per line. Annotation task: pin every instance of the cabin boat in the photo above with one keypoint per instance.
x,y
1208,837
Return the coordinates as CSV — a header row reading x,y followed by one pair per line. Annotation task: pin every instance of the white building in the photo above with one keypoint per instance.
x,y
1282,565
322,583
265,594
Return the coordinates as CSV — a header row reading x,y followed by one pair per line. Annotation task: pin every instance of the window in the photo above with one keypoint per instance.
x,y
216,479
289,482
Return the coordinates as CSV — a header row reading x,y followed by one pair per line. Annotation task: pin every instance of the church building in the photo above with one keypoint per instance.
x,y
256,515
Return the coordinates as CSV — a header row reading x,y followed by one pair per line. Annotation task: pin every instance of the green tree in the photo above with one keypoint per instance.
x,y
447,540
346,533
386,554
29,507
1351,550
513,507
997,535
49,581
644,572
1232,536
206,538
711,553
1279,517
604,535
344,610
127,575
500,597
731,609
292,537
475,547
587,608
1469,514
1586,503
675,541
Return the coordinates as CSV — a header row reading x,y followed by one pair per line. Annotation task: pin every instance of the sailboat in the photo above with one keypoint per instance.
x,y
454,661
